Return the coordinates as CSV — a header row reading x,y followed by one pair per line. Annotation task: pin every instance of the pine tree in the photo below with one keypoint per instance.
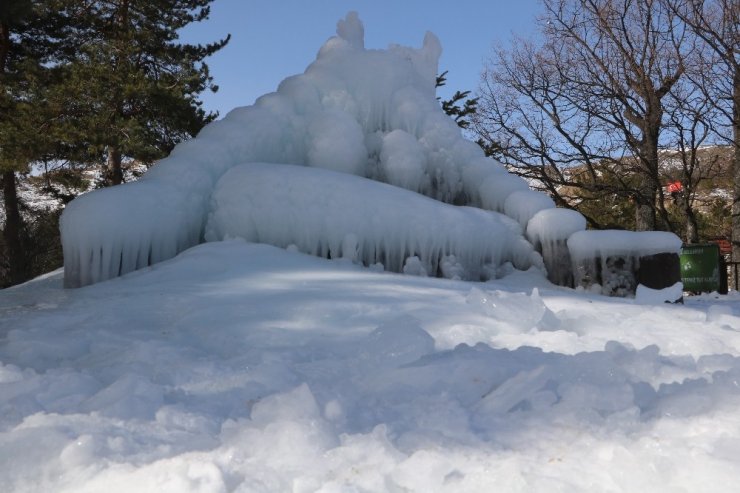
x,y
24,73
132,87
452,106
92,83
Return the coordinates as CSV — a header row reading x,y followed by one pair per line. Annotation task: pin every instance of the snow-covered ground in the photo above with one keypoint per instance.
x,y
246,368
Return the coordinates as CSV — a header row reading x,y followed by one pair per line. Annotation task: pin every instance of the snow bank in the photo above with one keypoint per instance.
x,y
371,113
335,215
240,367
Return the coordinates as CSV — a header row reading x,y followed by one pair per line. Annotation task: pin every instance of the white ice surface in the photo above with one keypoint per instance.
x,y
551,225
592,244
366,112
335,215
237,367
522,205
671,294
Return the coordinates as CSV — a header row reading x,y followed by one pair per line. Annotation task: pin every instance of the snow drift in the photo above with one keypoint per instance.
x,y
371,113
241,367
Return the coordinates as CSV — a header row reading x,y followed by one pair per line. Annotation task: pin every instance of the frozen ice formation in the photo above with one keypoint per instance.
x,y
365,112
337,215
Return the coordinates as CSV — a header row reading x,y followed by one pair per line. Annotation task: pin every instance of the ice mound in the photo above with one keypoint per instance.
x,y
549,230
518,311
336,215
371,113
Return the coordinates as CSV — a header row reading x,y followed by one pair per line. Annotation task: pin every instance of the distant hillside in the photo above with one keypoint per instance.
x,y
714,164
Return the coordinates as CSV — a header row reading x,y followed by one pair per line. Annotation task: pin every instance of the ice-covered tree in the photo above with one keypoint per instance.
x,y
365,112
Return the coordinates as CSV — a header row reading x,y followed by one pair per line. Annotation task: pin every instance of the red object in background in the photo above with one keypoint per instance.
x,y
675,187
725,247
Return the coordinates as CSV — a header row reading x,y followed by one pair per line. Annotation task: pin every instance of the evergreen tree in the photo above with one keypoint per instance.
x,y
132,87
90,83
25,50
452,106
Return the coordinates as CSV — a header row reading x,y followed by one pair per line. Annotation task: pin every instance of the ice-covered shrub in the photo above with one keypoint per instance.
x,y
371,113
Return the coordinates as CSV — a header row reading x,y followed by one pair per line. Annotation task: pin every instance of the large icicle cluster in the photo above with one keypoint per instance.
x,y
335,215
371,113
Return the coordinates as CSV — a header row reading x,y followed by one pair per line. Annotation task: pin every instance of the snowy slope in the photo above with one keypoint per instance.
x,y
237,367
242,367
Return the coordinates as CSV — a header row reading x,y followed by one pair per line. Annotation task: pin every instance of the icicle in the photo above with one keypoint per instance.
x,y
284,204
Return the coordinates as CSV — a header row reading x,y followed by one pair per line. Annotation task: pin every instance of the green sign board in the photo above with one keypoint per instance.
x,y
700,268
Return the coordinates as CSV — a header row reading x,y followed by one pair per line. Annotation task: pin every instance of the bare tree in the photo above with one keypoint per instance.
x,y
717,24
531,120
591,94
688,128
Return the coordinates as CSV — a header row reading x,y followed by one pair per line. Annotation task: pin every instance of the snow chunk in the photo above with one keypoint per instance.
x,y
317,209
525,312
523,205
398,342
414,267
648,296
550,225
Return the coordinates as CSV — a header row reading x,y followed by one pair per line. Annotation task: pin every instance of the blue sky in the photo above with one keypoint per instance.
x,y
273,39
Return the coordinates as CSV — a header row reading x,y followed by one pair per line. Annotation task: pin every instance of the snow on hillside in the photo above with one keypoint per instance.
x,y
238,367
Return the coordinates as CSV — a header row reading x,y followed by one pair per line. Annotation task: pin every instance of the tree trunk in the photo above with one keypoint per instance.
x,y
4,45
692,227
13,228
644,212
114,170
736,166
645,217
